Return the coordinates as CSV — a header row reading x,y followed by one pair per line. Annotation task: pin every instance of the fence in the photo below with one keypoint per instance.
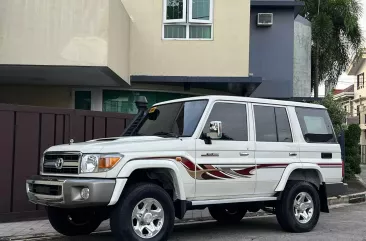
x,y
25,132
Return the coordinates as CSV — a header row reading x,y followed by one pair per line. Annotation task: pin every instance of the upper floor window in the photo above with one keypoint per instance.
x,y
360,81
188,19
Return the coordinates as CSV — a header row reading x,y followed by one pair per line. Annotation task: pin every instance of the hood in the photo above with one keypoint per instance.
x,y
113,144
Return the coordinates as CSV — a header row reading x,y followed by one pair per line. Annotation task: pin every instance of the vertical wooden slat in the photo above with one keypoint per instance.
x,y
6,145
67,129
59,131
77,127
99,127
26,158
88,128
47,132
115,127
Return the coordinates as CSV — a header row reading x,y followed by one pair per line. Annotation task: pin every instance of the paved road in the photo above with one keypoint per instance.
x,y
346,223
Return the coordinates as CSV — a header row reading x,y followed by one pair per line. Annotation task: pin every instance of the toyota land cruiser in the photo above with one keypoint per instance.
x,y
228,154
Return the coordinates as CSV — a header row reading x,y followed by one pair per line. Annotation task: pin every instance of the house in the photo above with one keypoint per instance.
x,y
101,54
358,69
345,97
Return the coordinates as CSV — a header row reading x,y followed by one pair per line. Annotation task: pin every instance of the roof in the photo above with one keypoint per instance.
x,y
357,62
245,99
349,89
347,92
337,91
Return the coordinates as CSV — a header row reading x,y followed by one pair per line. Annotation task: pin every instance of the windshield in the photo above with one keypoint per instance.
x,y
173,120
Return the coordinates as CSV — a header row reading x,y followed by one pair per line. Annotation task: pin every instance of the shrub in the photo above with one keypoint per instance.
x,y
353,156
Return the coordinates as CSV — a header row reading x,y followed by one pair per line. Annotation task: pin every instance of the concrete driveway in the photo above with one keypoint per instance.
x,y
346,223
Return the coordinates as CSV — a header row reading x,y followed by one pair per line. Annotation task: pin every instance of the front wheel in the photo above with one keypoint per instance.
x,y
299,209
145,212
227,214
73,222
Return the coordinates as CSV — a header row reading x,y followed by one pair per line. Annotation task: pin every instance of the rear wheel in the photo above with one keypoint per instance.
x,y
299,209
227,214
73,222
145,212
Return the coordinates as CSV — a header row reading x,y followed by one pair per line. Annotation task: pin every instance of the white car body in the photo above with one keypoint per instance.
x,y
221,172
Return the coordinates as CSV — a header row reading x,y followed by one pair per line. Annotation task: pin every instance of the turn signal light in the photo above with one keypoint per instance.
x,y
108,162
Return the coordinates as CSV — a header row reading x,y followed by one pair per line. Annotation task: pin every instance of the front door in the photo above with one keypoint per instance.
x,y
223,168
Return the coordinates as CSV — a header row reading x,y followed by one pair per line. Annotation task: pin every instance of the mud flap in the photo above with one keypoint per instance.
x,y
323,198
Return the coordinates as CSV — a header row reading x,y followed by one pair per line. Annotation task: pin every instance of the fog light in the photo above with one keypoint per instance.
x,y
84,193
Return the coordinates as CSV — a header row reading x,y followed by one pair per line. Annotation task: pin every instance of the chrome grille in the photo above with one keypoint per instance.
x,y
70,163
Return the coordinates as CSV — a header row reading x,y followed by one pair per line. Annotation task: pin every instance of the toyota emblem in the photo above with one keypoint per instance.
x,y
59,163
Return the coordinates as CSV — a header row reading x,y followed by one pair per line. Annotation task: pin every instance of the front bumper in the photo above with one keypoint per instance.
x,y
336,189
66,192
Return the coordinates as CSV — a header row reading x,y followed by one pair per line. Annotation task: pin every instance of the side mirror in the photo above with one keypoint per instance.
x,y
215,130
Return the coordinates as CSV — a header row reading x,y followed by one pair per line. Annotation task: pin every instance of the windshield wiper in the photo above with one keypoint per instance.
x,y
167,134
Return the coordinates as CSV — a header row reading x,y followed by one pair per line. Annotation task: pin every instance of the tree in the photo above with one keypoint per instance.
x,y
336,112
336,36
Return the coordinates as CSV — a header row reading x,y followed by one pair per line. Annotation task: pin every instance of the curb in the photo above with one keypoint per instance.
x,y
351,198
333,202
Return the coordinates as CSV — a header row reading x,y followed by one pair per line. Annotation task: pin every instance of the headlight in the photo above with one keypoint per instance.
x,y
99,162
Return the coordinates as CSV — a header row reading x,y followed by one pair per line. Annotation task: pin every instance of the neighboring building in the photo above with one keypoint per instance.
x,y
358,69
280,53
101,54
345,97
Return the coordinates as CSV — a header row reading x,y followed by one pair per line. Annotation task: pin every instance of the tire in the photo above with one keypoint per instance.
x,y
73,222
286,208
227,214
130,212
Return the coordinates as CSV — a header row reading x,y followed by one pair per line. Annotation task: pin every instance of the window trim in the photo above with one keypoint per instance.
x,y
191,20
183,20
187,22
210,108
288,117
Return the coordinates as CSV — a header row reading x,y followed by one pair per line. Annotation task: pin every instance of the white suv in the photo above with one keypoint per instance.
x,y
228,154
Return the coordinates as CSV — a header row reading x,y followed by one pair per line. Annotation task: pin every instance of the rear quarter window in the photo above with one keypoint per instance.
x,y
316,125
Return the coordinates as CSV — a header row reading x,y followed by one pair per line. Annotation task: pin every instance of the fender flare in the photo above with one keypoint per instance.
x,y
295,166
133,165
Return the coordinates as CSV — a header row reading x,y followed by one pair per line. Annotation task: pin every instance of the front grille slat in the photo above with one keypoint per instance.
x,y
70,163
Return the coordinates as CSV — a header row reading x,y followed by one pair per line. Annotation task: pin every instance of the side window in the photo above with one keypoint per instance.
x,y
233,118
272,124
316,125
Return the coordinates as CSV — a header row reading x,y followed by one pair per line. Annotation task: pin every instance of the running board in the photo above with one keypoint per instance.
x,y
233,200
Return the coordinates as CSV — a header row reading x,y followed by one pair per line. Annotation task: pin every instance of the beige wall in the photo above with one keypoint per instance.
x,y
65,32
49,96
226,55
119,40
54,32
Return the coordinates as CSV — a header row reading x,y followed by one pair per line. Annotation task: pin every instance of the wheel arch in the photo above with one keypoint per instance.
x,y
301,172
159,170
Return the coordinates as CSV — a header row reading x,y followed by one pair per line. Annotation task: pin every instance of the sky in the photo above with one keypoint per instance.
x,y
344,80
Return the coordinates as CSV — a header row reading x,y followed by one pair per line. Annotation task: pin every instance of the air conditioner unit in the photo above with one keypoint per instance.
x,y
264,19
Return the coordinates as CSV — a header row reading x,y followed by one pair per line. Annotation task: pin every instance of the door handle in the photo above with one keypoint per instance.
x,y
292,154
244,154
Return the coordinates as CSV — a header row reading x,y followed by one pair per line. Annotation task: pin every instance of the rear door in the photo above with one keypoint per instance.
x,y
318,142
275,146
